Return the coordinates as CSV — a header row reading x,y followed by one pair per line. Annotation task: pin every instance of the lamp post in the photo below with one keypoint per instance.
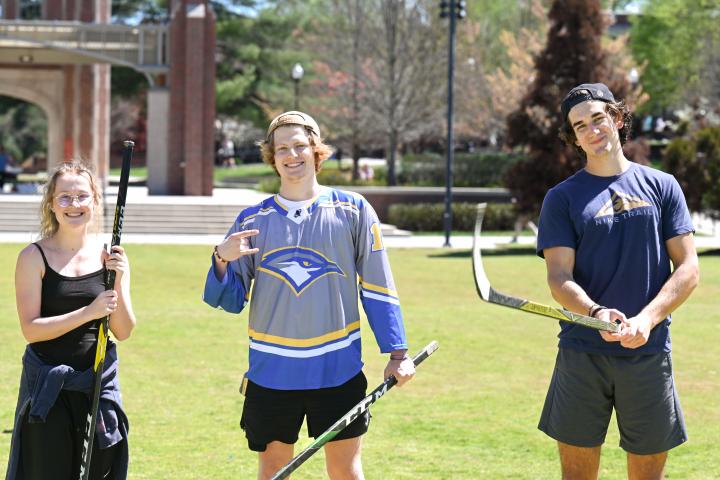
x,y
633,77
453,10
296,74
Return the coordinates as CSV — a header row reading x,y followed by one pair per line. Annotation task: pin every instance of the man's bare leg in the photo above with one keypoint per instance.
x,y
275,456
579,463
646,467
342,459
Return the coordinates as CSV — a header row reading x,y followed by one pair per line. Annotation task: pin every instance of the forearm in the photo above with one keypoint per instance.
x,y
219,268
674,292
48,328
570,295
122,321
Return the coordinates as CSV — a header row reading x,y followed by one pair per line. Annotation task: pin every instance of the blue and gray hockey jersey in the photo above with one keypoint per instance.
x,y
304,317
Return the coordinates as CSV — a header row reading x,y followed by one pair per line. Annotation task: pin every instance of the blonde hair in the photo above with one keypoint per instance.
x,y
321,150
48,222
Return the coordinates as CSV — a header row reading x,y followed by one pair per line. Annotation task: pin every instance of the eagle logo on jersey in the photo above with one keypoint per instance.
x,y
298,267
620,202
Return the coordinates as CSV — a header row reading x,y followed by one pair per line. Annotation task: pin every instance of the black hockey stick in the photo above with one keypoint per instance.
x,y
347,419
104,323
489,294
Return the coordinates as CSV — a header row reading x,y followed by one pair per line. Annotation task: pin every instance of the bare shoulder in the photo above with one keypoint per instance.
x,y
30,260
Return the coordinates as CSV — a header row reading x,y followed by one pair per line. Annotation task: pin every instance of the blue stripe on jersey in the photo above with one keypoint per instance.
x,y
287,373
381,297
391,334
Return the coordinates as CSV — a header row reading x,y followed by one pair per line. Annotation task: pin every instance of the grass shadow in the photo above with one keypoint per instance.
x,y
498,252
709,253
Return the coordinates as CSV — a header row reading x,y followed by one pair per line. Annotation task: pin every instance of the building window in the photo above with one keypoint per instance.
x,y
30,9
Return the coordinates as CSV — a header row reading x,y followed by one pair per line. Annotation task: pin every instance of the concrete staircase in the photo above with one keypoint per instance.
x,y
144,218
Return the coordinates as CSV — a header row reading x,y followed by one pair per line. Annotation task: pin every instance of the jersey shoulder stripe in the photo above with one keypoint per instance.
x,y
247,215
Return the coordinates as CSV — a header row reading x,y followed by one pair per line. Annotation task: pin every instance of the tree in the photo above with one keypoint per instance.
x,y
679,41
339,88
709,146
573,55
23,128
491,86
402,72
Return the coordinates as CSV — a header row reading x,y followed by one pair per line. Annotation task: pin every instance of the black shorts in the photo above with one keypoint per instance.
x,y
270,415
586,387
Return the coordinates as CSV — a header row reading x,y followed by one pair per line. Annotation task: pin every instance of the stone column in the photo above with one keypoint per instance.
x,y
192,98
157,140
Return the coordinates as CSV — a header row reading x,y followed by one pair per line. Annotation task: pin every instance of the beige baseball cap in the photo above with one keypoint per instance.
x,y
292,118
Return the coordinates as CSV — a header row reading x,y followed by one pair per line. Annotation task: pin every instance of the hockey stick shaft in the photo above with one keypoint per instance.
x,y
101,346
489,294
349,417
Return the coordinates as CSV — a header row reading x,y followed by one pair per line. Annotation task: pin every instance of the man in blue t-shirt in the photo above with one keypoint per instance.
x,y
608,235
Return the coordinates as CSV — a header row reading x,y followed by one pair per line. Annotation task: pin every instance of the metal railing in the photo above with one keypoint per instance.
x,y
142,47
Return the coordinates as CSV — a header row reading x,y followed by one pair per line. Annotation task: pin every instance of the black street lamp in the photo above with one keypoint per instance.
x,y
297,74
454,10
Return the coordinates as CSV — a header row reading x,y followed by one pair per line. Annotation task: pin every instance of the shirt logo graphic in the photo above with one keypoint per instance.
x,y
298,267
620,202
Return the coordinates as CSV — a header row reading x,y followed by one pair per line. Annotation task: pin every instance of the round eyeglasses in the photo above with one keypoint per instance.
x,y
67,199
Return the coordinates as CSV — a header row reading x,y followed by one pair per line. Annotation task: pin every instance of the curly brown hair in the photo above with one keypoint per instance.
x,y
48,222
321,150
617,110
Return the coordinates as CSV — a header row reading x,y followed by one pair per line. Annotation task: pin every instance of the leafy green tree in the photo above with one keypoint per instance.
x,y
23,128
681,159
573,55
708,146
254,62
695,163
678,40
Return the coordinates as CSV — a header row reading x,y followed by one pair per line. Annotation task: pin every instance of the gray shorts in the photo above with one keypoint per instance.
x,y
585,387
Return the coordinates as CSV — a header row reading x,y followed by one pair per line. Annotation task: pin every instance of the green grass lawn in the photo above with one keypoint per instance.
x,y
470,413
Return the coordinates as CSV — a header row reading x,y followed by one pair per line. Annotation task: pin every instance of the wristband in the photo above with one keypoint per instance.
x,y
402,358
217,255
595,309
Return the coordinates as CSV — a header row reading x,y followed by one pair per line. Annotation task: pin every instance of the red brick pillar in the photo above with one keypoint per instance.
x,y
11,9
192,98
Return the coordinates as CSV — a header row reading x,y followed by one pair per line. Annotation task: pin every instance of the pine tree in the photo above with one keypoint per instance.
x,y
573,55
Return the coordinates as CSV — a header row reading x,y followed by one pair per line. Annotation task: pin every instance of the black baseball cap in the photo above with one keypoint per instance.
x,y
583,93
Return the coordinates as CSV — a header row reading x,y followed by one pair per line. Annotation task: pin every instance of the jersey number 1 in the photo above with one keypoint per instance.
x,y
377,237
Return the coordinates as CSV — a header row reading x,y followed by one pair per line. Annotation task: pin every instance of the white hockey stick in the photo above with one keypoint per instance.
x,y
489,294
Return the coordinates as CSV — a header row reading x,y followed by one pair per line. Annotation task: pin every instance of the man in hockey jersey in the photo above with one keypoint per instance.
x,y
308,250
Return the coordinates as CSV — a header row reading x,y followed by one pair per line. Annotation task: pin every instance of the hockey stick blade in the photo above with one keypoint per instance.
x,y
101,346
490,295
349,417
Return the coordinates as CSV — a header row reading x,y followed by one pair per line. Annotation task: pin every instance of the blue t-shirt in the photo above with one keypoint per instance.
x,y
618,227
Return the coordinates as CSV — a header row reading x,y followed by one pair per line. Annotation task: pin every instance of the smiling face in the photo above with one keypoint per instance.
x,y
596,131
294,155
73,201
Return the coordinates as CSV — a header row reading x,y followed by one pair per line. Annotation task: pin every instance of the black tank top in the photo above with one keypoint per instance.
x,y
60,295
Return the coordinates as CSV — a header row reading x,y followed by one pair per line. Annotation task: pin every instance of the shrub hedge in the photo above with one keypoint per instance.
x,y
476,169
327,177
426,217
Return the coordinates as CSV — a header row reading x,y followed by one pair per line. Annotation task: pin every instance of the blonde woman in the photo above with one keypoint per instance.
x,y
61,296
